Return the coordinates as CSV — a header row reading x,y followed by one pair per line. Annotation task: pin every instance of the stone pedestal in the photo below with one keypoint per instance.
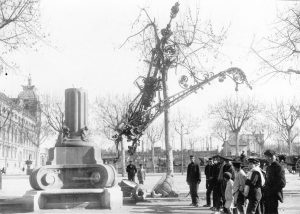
x,y
107,198
75,175
74,155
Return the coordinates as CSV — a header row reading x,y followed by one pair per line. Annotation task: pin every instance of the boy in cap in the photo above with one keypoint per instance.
x,y
228,193
238,186
275,182
193,179
141,174
252,191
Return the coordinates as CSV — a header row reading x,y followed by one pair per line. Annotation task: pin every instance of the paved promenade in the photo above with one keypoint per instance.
x,y
15,186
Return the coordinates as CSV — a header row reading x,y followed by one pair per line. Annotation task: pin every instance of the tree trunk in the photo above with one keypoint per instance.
x,y
123,159
152,156
226,147
181,140
37,157
143,151
290,143
169,151
236,139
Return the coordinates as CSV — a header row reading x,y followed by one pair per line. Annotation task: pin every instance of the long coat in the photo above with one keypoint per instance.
x,y
193,173
275,181
131,170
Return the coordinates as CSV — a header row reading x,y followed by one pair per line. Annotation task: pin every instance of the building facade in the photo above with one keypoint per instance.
x,y
247,143
19,129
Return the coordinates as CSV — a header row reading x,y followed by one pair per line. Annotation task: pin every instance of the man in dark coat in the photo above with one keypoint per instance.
x,y
225,167
209,181
131,171
275,182
217,197
193,178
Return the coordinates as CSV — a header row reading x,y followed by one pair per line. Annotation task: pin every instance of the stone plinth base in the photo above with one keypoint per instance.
x,y
107,198
74,155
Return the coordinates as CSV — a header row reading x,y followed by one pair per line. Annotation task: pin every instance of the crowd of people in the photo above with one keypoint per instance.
x,y
233,190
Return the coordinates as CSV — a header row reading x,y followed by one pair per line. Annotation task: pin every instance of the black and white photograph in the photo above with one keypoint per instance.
x,y
150,106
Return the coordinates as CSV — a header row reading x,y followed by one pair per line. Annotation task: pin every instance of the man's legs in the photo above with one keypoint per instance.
x,y
240,203
217,195
208,193
271,205
223,187
194,192
253,207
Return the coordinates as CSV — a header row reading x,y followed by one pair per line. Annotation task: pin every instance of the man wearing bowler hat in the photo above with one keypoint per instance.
x,y
193,179
275,182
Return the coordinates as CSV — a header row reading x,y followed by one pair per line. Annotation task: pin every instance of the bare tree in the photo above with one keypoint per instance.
x,y
261,130
235,113
182,46
221,132
52,115
109,112
154,134
19,25
183,125
279,52
285,118
192,140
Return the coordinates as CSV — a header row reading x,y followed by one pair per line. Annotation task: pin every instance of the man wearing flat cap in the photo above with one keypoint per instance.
x,y
217,196
275,182
193,178
253,186
238,186
209,181
225,167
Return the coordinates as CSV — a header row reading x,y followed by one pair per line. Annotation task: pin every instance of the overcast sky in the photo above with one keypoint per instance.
x,y
82,48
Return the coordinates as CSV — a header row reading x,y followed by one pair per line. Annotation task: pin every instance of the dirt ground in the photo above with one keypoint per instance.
x,y
15,186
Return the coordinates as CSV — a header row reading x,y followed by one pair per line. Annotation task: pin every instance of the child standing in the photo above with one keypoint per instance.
x,y
228,193
141,174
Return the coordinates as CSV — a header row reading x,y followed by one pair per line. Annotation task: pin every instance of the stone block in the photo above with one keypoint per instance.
x,y
74,155
107,198
112,198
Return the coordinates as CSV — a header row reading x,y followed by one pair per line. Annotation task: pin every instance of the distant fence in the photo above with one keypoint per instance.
x,y
161,169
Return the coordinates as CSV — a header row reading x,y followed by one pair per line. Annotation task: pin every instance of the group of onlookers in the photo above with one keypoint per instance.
x,y
132,170
233,190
